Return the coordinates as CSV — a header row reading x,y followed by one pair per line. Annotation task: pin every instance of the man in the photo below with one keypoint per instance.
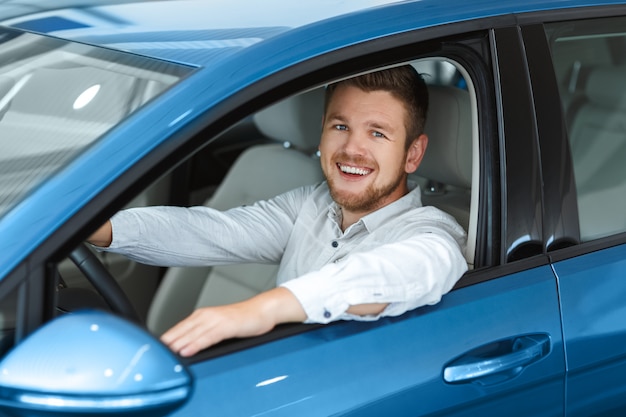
x,y
358,246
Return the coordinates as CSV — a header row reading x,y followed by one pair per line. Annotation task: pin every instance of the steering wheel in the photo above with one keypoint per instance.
x,y
89,264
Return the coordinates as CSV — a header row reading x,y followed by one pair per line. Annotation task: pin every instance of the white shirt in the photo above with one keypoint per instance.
x,y
403,254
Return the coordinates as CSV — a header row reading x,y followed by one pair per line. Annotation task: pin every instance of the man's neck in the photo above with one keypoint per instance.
x,y
349,217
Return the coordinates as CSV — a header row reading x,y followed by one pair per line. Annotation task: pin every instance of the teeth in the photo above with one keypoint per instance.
x,y
354,170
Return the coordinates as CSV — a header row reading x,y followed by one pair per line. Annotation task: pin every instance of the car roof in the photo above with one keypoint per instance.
x,y
228,60
199,32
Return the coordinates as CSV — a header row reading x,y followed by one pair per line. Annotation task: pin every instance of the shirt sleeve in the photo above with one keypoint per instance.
x,y
201,236
407,274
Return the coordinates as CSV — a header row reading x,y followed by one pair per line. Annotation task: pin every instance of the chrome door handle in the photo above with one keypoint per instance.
x,y
497,361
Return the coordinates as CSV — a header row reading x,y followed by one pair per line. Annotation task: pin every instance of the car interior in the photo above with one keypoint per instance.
x,y
588,60
284,138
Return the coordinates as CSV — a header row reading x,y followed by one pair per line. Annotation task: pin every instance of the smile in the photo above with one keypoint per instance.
x,y
353,170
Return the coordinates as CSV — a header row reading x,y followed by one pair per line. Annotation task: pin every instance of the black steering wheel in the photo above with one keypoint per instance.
x,y
89,264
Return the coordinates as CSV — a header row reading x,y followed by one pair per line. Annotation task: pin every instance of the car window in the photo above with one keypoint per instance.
x,y
56,98
449,186
590,62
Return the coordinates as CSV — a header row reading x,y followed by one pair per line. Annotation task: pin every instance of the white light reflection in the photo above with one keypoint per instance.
x,y
213,44
271,381
520,240
113,404
179,118
86,97
133,363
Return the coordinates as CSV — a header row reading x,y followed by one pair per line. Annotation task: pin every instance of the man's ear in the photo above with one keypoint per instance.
x,y
415,153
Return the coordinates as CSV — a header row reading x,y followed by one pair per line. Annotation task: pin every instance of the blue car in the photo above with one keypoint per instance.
x,y
113,104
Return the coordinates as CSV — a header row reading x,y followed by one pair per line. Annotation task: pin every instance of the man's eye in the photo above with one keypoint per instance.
x,y
341,127
378,134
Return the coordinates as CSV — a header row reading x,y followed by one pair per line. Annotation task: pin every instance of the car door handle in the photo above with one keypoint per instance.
x,y
497,361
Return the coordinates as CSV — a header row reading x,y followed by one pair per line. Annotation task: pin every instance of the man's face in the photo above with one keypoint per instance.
x,y
363,152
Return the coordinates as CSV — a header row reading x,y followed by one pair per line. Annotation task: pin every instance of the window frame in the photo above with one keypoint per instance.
x,y
562,227
474,56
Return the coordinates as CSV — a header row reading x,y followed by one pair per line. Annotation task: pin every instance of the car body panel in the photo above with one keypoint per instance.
x,y
593,291
320,372
153,22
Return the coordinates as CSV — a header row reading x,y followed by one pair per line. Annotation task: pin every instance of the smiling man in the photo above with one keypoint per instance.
x,y
358,246
371,140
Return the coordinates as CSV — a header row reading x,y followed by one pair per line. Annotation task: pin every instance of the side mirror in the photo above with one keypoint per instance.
x,y
91,363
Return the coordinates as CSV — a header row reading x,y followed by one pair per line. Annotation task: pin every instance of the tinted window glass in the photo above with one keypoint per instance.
x,y
590,63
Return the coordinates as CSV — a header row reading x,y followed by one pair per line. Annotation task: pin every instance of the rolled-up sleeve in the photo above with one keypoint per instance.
x,y
405,275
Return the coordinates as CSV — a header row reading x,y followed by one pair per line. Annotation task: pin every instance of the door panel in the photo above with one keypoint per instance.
x,y
588,57
593,298
396,366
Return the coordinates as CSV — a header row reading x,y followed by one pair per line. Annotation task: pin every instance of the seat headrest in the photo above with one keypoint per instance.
x,y
604,87
448,157
297,120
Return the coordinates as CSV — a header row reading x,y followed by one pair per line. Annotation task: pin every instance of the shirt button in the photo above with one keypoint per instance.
x,y
335,243
327,314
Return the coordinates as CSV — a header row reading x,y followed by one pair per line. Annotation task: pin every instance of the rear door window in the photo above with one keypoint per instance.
x,y
590,63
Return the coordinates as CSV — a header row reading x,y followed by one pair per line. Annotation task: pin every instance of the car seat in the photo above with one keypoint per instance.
x,y
260,172
445,173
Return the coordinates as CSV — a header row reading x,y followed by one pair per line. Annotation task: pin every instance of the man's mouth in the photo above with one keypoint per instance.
x,y
347,169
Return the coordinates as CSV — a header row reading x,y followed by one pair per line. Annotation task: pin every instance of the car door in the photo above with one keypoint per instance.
x,y
589,78
492,346
481,351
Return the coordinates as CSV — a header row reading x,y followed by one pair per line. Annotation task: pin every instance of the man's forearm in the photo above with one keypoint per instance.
x,y
255,316
103,236
373,309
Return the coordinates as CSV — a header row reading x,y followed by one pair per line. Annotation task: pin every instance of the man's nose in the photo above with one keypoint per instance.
x,y
355,143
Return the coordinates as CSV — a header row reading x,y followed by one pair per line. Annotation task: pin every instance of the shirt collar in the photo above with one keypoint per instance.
x,y
411,200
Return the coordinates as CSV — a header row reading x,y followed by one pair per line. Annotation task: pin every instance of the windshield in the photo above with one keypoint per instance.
x,y
57,98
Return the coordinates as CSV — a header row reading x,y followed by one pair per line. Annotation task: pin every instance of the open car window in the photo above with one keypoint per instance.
x,y
284,137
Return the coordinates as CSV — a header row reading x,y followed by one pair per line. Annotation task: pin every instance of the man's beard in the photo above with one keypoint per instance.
x,y
369,200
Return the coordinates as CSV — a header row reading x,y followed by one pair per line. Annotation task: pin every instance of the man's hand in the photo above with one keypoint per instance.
x,y
210,325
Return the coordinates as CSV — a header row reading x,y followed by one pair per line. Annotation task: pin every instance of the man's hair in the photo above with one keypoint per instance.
x,y
405,84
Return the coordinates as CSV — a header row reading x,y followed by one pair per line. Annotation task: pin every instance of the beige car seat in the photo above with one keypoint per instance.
x,y
261,172
448,160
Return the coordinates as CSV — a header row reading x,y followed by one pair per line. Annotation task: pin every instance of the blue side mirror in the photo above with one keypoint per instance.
x,y
92,363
